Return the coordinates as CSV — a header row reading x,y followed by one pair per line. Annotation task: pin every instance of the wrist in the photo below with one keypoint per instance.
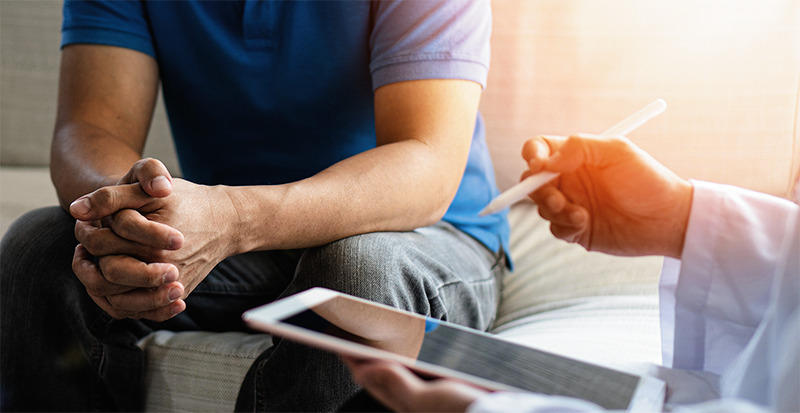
x,y
683,204
231,222
254,224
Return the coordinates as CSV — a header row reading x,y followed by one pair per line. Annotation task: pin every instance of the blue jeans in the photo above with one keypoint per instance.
x,y
61,352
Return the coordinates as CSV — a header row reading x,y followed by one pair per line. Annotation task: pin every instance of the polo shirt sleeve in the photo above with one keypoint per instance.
x,y
121,23
414,40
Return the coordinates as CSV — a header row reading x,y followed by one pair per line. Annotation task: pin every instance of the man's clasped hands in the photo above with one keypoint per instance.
x,y
149,240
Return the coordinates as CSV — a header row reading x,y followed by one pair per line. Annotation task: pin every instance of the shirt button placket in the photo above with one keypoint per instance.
x,y
257,25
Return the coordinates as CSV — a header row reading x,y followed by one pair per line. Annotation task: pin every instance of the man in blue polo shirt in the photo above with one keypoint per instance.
x,y
332,144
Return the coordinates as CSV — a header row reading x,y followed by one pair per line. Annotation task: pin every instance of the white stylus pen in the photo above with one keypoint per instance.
x,y
535,181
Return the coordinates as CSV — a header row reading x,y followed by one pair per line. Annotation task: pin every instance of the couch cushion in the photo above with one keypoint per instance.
x,y
550,273
613,331
29,67
23,189
197,371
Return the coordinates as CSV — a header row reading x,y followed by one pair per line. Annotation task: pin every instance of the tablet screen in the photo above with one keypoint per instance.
x,y
431,342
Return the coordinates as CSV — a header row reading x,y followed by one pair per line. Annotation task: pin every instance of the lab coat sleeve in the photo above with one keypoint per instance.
x,y
536,403
733,245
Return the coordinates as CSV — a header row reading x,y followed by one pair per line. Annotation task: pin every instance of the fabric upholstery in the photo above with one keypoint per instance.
x,y
197,371
550,273
30,33
615,330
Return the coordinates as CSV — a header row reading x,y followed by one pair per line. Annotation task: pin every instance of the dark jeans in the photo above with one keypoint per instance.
x,y
363,402
61,352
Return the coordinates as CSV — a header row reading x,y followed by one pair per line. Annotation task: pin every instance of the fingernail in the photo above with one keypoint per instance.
x,y
175,310
160,182
81,206
173,242
170,276
174,294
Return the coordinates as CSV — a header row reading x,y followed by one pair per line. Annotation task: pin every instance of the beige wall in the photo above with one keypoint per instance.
x,y
728,69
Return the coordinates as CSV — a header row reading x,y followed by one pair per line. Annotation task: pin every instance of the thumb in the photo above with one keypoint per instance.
x,y
107,201
152,174
585,149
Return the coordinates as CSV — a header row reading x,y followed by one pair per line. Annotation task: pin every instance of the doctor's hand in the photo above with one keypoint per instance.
x,y
151,252
611,196
398,388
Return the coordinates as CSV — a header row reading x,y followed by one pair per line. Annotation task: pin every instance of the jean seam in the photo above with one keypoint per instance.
x,y
98,357
101,319
261,399
491,277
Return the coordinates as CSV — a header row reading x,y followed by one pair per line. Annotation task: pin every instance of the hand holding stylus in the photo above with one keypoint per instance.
x,y
611,196
534,182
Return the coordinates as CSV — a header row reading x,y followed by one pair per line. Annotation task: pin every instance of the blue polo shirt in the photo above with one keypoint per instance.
x,y
270,92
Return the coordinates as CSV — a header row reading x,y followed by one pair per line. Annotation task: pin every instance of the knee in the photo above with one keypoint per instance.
x,y
42,237
437,273
370,266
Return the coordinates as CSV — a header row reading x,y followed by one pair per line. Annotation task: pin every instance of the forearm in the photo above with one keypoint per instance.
x,y
423,132
84,158
106,97
395,187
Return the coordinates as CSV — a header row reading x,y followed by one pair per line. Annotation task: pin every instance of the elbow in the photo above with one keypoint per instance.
x,y
438,207
432,218
56,178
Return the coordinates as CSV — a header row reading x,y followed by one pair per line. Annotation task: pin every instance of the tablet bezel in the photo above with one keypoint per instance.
x,y
648,394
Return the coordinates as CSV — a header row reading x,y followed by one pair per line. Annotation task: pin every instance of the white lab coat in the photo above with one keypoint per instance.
x,y
730,312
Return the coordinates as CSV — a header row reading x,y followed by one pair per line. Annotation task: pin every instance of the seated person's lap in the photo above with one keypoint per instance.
x,y
437,271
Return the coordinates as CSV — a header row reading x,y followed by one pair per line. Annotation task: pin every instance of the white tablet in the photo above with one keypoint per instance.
x,y
352,326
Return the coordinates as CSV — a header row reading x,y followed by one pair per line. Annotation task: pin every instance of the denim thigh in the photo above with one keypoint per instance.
x,y
53,352
61,352
438,271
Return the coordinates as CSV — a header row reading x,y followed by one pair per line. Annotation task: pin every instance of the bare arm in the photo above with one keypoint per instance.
x,y
105,104
424,129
